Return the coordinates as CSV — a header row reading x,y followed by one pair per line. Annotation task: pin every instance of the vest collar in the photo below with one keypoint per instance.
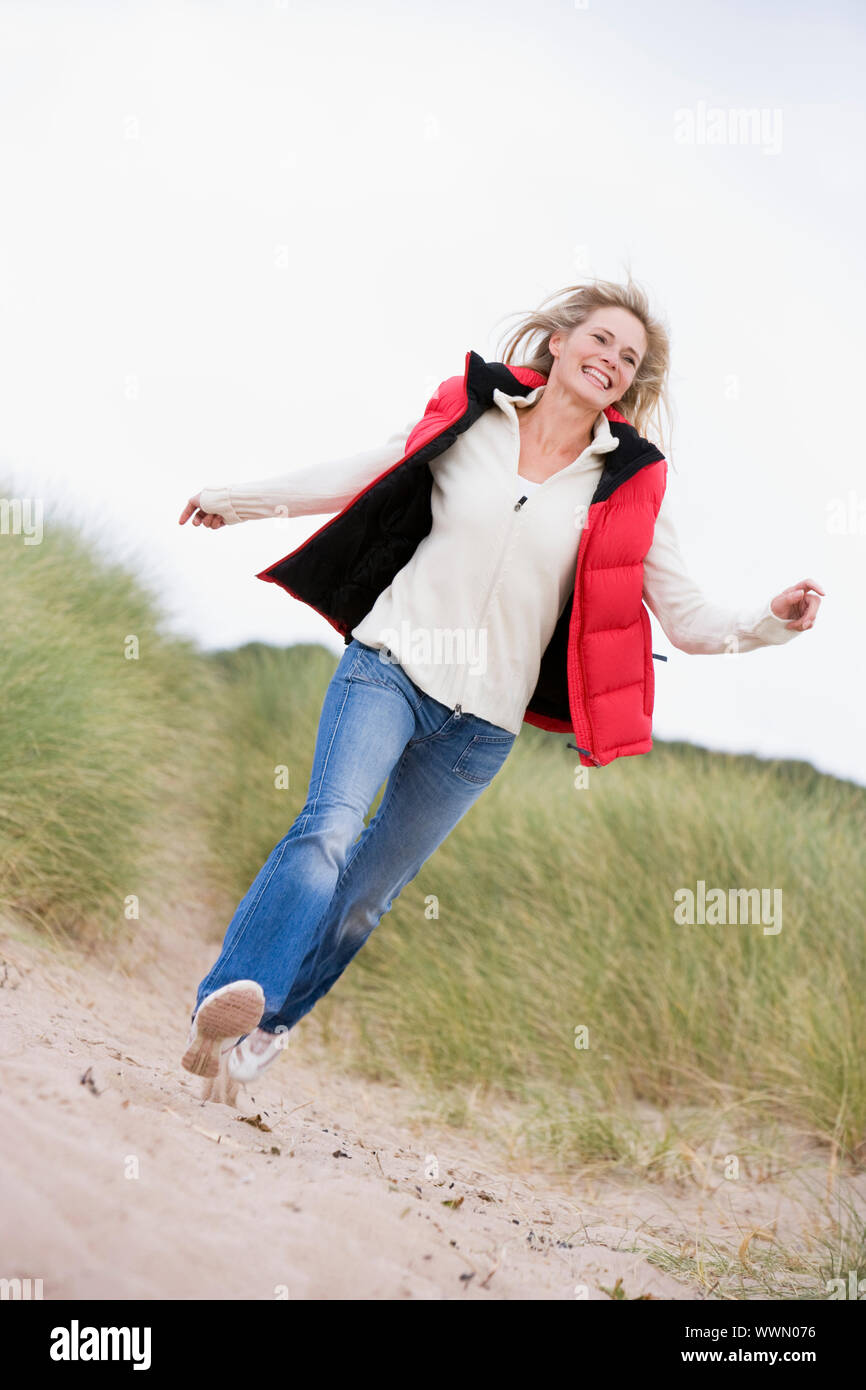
x,y
634,452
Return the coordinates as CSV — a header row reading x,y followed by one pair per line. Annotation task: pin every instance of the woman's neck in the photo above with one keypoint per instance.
x,y
556,428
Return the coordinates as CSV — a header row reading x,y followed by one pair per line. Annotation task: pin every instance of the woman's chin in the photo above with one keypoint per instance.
x,y
590,398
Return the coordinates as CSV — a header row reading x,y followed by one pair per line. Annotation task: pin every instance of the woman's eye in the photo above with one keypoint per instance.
x,y
600,339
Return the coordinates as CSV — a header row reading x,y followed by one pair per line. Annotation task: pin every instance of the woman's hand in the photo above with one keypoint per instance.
x,y
798,604
199,517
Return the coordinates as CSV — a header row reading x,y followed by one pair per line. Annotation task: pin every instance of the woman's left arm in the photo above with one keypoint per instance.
x,y
695,625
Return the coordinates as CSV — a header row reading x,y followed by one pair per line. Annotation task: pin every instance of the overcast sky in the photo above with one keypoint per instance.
x,y
238,238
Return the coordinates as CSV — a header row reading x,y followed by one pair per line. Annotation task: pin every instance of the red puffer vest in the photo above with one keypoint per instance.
x,y
596,676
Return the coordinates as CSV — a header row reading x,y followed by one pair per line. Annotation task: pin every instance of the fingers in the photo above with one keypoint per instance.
x,y
798,592
199,518
811,610
802,601
808,605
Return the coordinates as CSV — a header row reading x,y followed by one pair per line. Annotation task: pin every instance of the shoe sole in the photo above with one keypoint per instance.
x,y
228,1012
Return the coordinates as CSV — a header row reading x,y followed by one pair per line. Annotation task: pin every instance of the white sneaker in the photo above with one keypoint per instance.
x,y
254,1053
227,1013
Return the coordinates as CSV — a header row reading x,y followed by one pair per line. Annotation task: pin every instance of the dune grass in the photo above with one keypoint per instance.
x,y
533,969
274,698
556,913
99,710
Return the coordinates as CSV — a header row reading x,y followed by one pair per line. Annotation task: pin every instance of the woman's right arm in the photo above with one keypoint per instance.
x,y
320,488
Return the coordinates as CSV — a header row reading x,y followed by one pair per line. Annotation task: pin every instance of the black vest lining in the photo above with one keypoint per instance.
x,y
342,569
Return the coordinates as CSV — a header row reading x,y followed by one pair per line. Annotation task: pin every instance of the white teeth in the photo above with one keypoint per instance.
x,y
602,381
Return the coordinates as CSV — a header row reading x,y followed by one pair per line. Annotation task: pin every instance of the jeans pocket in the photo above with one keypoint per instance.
x,y
482,757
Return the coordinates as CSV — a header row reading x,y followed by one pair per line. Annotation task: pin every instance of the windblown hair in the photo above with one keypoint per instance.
x,y
642,402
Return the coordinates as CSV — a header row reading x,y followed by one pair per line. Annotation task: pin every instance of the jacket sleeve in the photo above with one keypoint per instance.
x,y
689,620
311,491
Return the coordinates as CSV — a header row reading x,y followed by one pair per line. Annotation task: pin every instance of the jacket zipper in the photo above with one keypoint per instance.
x,y
492,585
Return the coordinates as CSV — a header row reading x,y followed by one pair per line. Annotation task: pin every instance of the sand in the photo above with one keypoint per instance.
x,y
118,1181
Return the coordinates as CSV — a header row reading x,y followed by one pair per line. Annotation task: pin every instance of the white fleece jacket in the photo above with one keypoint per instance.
x,y
470,614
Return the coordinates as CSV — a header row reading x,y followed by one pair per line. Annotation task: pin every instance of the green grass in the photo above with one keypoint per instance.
x,y
766,1268
274,698
100,750
555,905
556,911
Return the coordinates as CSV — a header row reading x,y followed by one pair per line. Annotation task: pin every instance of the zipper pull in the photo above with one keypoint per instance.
x,y
586,751
519,504
458,710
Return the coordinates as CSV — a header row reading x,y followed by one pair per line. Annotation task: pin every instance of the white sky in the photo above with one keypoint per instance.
x,y
237,238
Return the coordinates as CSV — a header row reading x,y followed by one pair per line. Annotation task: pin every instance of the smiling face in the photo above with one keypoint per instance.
x,y
596,362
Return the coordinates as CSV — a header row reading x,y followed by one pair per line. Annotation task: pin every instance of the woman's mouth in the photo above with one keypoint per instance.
x,y
597,378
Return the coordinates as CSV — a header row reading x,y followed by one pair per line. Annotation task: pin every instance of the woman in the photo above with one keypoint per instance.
x,y
487,567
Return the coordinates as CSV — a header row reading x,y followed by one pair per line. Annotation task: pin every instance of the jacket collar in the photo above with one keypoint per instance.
x,y
603,440
634,452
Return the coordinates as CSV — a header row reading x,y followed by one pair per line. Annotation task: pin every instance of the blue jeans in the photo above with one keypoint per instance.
x,y
330,879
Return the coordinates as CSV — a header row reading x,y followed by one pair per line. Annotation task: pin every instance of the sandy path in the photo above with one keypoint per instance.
x,y
334,1201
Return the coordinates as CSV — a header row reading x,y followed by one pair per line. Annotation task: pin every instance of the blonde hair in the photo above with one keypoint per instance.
x,y
642,402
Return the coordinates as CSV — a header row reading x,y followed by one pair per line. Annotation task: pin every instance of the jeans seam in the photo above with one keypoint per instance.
x,y
360,844
242,928
330,749
387,684
437,733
